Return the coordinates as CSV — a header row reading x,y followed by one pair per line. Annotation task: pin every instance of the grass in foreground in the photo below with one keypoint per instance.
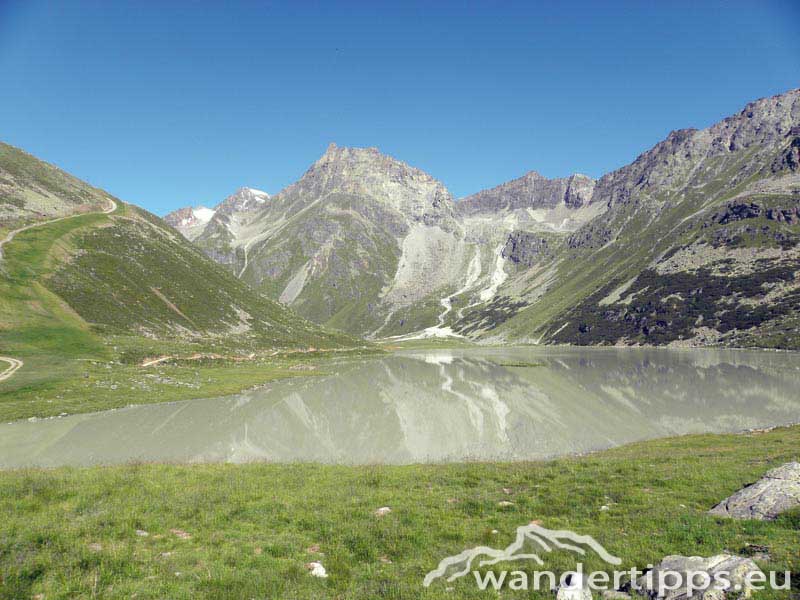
x,y
226,531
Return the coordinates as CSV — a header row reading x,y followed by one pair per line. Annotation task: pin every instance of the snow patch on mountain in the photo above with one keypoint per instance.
x,y
203,214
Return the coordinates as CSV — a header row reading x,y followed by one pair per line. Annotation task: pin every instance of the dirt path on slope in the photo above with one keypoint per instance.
x,y
11,234
14,364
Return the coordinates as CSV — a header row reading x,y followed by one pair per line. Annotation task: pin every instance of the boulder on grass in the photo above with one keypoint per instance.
x,y
670,579
773,494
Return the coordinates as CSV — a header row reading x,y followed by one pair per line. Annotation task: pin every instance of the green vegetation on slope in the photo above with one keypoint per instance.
x,y
95,292
135,274
225,531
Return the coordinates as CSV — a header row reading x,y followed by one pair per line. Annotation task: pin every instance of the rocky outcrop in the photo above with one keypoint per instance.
x,y
725,577
739,211
775,493
784,215
790,159
525,248
532,190
579,190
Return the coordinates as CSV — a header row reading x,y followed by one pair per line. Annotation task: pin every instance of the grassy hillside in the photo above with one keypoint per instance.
x,y
135,274
32,190
246,531
90,292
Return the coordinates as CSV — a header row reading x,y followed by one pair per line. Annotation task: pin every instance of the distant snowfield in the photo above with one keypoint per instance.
x,y
203,214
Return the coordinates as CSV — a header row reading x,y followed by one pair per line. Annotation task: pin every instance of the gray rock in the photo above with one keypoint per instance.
x,y
525,248
677,570
615,595
773,494
532,190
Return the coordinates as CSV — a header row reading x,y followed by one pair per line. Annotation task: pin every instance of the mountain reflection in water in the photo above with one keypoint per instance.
x,y
438,405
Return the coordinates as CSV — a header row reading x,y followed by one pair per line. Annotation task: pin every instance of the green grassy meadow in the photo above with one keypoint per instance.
x,y
247,531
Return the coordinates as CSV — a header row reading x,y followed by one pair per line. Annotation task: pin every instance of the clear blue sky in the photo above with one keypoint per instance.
x,y
172,103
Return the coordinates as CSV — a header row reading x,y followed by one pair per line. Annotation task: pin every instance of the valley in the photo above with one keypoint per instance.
x,y
423,369
399,300
370,245
693,244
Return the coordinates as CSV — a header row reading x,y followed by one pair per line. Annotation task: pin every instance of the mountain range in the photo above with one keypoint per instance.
x,y
695,242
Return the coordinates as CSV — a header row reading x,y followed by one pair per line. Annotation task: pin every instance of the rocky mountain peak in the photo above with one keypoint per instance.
x,y
189,216
367,172
342,158
190,221
580,189
243,199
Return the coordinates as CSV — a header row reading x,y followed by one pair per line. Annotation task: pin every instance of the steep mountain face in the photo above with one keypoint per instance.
x,y
367,243
191,222
84,281
694,242
698,245
347,242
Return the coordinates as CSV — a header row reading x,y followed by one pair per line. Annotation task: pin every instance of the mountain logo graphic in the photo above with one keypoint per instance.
x,y
545,540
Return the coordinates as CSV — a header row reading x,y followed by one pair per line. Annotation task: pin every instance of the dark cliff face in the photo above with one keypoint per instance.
x,y
530,191
525,248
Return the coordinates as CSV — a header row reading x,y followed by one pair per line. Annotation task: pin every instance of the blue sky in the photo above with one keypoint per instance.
x,y
172,103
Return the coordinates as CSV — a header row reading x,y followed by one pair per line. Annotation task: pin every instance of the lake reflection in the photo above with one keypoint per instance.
x,y
513,404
